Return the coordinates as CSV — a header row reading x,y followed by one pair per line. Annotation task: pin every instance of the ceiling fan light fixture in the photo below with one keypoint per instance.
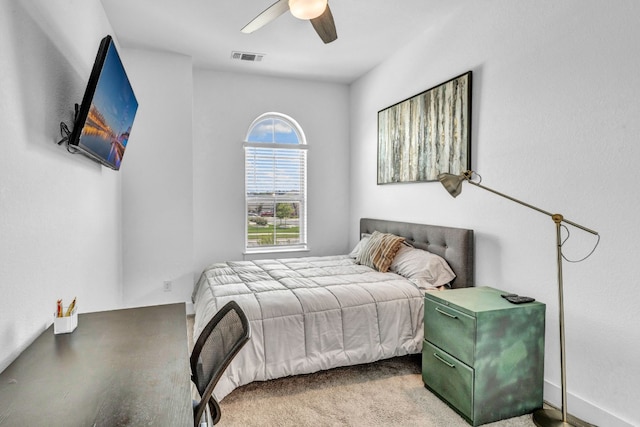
x,y
307,9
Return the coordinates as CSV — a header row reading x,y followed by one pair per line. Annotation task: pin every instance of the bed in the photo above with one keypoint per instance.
x,y
314,313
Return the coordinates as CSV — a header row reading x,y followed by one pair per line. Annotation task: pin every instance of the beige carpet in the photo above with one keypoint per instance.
x,y
385,393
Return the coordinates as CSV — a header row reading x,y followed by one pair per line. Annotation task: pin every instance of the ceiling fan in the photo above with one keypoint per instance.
x,y
316,11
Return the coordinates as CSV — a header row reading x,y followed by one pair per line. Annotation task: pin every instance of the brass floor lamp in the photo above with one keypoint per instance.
x,y
541,417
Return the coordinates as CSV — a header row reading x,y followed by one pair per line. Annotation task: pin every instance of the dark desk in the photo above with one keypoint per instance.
x,y
118,368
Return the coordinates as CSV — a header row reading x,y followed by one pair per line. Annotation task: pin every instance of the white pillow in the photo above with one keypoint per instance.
x,y
361,244
426,270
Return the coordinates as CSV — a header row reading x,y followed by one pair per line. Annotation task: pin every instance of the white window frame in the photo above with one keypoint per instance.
x,y
300,147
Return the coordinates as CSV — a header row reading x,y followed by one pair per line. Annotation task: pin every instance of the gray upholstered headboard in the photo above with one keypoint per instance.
x,y
453,244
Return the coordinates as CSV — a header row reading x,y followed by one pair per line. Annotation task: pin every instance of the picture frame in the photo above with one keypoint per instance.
x,y
427,134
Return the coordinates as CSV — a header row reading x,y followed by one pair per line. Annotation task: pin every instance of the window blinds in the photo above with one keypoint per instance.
x,y
275,185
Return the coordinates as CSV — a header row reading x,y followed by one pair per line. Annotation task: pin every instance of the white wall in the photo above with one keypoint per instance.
x,y
183,176
225,105
59,213
157,190
555,123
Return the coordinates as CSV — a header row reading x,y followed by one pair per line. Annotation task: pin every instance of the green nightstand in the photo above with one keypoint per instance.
x,y
483,355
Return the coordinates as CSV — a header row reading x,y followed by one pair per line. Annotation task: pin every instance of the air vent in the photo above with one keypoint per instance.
x,y
247,56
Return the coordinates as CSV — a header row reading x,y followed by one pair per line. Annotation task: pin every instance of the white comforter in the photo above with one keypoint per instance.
x,y
309,314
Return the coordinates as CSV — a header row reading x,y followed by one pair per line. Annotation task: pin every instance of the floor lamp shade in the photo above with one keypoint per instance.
x,y
453,185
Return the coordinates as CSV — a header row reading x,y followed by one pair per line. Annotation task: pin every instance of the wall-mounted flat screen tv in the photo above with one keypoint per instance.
x,y
105,117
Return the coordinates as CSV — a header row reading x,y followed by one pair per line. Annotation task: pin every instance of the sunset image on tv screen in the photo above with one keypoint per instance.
x,y
108,125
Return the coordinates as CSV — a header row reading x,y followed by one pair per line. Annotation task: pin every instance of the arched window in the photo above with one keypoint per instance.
x,y
275,184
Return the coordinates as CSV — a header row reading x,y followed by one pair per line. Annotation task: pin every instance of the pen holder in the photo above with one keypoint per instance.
x,y
66,324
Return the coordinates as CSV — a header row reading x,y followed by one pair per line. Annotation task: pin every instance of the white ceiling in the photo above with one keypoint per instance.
x,y
209,30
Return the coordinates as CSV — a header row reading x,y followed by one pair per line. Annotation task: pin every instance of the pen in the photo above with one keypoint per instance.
x,y
71,307
59,309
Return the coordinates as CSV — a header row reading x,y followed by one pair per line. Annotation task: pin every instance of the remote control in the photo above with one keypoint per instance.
x,y
508,295
518,299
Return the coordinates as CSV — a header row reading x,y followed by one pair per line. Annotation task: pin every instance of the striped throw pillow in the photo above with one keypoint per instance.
x,y
379,251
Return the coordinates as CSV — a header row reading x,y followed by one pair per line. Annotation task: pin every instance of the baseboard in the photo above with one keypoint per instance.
x,y
190,308
581,409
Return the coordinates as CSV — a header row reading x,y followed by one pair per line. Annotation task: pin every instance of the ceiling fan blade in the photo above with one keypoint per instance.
x,y
268,15
325,26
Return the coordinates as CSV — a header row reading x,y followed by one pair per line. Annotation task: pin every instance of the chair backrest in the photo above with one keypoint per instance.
x,y
217,345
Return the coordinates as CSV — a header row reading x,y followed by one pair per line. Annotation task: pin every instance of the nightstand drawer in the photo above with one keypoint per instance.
x,y
442,322
448,377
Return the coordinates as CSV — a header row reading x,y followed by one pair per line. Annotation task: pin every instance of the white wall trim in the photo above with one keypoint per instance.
x,y
580,408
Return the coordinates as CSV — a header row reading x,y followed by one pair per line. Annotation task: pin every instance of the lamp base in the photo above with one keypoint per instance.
x,y
549,418
552,417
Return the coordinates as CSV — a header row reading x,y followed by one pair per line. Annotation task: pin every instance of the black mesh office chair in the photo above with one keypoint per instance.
x,y
216,346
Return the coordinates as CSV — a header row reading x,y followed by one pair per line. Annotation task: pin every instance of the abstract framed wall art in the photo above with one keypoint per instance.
x,y
427,134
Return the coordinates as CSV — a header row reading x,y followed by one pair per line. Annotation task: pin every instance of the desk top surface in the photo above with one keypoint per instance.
x,y
121,367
